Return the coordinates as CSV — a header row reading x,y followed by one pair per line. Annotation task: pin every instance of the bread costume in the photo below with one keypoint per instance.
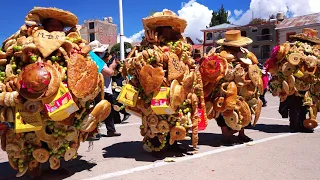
x,y
167,81
298,72
47,86
234,81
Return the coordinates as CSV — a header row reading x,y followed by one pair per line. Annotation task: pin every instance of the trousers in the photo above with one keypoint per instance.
x,y
114,115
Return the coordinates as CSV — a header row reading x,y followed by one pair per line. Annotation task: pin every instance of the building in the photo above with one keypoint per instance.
x,y
104,31
212,34
295,25
263,36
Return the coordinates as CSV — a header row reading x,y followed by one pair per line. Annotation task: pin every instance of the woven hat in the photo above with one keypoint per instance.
x,y
165,18
308,34
41,13
234,38
96,46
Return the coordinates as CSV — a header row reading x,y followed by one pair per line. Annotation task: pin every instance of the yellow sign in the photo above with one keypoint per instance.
x,y
160,102
26,121
128,96
61,106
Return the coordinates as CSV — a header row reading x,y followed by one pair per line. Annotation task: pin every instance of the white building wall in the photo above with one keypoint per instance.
x,y
283,32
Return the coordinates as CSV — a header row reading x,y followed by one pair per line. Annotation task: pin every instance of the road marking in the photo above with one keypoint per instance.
x,y
276,119
129,124
272,107
187,158
123,125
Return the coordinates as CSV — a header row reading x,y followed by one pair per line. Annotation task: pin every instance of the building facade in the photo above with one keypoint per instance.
x,y
212,34
295,25
263,36
104,31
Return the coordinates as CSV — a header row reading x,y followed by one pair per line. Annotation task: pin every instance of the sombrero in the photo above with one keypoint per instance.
x,y
165,18
67,18
234,38
308,34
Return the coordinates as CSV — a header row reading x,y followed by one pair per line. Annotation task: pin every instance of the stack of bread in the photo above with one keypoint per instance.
x,y
294,67
48,83
169,93
232,82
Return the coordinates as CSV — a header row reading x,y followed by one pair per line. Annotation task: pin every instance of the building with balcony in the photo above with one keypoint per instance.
x,y
295,25
104,31
263,36
212,34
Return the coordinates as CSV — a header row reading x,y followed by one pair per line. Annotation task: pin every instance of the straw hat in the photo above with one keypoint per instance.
x,y
96,46
234,38
165,18
308,34
67,18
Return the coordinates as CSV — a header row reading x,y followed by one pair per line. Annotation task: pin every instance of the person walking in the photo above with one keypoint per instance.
x,y
107,72
265,80
118,80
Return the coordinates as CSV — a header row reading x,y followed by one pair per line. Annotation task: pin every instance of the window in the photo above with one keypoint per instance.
x,y
289,34
92,37
255,46
244,33
265,51
265,35
209,36
265,31
254,29
91,25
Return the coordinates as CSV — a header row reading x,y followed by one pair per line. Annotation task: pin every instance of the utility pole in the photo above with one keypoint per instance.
x,y
121,32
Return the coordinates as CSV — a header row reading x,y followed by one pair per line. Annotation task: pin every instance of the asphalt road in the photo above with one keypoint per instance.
x,y
275,153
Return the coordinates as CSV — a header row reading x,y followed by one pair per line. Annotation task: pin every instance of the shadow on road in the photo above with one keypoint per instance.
x,y
66,170
272,128
134,149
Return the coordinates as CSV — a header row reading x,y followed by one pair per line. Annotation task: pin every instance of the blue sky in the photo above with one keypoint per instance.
x,y
13,16
196,12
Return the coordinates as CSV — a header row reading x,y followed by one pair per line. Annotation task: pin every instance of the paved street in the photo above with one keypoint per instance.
x,y
275,154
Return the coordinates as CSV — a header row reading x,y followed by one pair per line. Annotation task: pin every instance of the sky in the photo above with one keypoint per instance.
x,y
196,12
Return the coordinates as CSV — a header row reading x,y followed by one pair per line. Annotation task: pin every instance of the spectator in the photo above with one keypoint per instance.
x,y
107,71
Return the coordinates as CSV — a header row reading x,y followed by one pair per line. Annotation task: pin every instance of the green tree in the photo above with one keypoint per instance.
x,y
257,21
219,17
116,48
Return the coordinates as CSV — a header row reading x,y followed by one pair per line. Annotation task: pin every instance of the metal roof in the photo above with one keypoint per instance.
x,y
299,21
220,27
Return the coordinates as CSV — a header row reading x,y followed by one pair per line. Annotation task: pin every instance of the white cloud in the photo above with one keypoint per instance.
x,y
237,12
265,8
229,13
197,16
134,38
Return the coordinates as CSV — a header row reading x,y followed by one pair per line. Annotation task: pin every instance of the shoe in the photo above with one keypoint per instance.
x,y
245,138
126,117
94,138
112,134
264,105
